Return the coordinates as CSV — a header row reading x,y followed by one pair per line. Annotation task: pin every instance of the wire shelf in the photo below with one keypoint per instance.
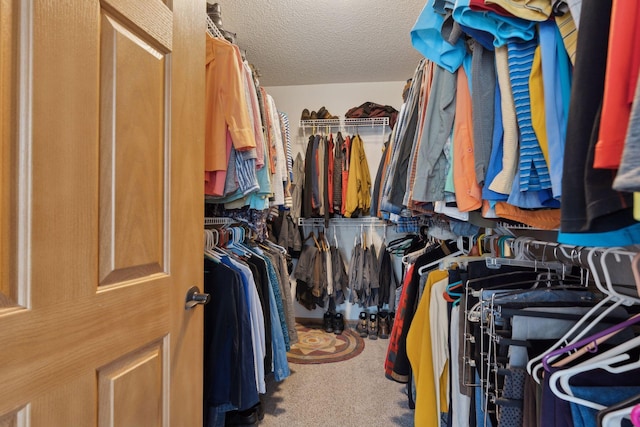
x,y
212,29
342,122
368,221
219,221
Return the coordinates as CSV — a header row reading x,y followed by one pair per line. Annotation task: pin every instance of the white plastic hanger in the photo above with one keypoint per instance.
x,y
565,375
534,366
614,418
604,361
618,255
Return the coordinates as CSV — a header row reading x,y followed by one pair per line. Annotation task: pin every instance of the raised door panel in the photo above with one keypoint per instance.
x,y
133,143
131,389
9,73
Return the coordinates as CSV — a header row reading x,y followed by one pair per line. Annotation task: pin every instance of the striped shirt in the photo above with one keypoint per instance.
x,y
286,137
534,173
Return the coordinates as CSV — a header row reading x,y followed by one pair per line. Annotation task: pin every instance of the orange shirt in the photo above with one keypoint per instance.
x,y
225,105
468,192
623,63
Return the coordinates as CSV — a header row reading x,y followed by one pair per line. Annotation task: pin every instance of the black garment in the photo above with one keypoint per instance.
x,y
375,197
229,375
387,279
260,276
589,204
307,191
325,178
338,154
340,278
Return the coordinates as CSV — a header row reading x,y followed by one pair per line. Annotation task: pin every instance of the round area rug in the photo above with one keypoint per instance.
x,y
316,346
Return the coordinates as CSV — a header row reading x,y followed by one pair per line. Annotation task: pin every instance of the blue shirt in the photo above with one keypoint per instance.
x,y
503,28
426,37
556,76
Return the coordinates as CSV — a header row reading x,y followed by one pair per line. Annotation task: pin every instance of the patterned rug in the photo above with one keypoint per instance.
x,y
316,346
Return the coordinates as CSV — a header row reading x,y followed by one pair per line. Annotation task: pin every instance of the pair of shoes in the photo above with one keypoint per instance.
x,y
306,115
324,114
362,327
333,322
384,325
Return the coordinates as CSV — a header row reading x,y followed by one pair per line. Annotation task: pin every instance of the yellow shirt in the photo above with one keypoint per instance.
x,y
420,356
359,184
536,92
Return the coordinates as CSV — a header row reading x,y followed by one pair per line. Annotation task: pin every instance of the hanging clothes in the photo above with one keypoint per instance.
x,y
358,195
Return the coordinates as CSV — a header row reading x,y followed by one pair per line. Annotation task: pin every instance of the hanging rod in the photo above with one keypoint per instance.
x,y
341,222
363,122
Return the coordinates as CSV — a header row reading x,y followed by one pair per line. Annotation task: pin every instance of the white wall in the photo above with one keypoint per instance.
x,y
338,99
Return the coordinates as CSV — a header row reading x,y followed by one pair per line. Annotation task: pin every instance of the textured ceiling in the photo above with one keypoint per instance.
x,y
302,42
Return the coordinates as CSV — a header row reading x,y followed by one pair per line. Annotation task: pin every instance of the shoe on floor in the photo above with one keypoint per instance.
x,y
327,322
373,326
362,328
246,418
384,327
338,323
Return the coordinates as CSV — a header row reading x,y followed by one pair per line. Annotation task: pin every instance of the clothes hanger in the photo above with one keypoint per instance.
x,y
564,376
625,410
210,246
591,343
635,415
415,254
618,255
534,366
268,242
636,271
426,268
522,257
235,244
608,361
587,345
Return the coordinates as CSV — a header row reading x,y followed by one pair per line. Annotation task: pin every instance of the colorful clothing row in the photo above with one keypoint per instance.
x,y
247,141
250,301
515,109
448,319
333,179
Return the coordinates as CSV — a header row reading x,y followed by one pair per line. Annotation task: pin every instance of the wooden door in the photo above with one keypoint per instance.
x,y
101,205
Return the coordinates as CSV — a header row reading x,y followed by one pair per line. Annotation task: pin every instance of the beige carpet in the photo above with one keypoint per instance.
x,y
353,393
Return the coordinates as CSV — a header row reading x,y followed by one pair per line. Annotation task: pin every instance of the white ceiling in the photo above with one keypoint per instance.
x,y
302,42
